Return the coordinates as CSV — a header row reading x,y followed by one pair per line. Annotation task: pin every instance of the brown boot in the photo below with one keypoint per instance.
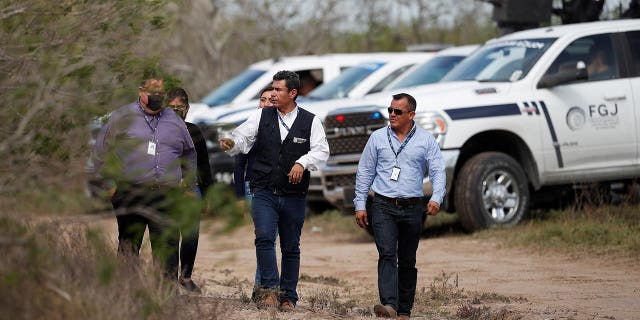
x,y
384,311
267,300
287,306
403,317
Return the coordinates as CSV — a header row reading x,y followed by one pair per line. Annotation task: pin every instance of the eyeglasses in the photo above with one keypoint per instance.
x,y
179,107
398,112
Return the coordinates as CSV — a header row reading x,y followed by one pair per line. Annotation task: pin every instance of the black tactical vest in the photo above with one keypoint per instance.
x,y
274,159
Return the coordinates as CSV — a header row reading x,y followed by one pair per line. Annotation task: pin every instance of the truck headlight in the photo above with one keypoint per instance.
x,y
434,123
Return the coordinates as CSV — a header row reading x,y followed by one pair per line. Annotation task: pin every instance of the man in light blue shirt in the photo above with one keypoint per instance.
x,y
393,165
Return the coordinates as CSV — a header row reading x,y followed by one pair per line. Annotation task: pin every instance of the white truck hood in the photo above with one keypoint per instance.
x,y
432,97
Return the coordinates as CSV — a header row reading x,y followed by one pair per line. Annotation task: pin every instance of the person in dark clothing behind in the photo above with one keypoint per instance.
x,y
179,102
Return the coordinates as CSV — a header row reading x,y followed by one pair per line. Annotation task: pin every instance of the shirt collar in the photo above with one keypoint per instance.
x,y
394,133
290,114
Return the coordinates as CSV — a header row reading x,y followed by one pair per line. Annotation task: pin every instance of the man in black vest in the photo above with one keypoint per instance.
x,y
280,182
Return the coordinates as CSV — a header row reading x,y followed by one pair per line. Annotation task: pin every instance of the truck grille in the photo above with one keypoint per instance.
x,y
348,133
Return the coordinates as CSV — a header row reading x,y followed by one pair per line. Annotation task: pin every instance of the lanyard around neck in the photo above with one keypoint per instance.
x,y
282,121
146,119
283,124
406,140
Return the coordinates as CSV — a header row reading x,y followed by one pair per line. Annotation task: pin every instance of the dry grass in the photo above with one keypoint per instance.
x,y
321,279
51,270
330,300
444,299
599,230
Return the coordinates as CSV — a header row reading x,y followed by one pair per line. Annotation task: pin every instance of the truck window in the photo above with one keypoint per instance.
x,y
633,39
502,61
345,82
389,78
596,52
232,88
429,72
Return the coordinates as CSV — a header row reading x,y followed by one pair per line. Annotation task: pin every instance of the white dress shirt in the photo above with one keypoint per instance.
x,y
244,136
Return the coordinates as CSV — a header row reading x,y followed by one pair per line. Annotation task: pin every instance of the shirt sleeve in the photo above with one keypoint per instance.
x,y
437,174
204,169
366,173
100,153
244,136
319,152
189,158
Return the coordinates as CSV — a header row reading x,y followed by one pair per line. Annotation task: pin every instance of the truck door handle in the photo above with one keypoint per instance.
x,y
618,98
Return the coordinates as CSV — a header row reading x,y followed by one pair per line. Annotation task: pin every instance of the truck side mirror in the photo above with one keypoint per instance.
x,y
567,72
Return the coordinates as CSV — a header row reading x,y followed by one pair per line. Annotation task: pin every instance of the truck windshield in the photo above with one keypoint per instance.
x,y
232,88
429,72
502,61
345,82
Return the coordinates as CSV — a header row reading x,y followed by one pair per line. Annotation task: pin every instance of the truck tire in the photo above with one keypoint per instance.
x,y
491,191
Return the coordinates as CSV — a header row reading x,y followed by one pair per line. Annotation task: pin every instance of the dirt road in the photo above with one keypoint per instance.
x,y
339,279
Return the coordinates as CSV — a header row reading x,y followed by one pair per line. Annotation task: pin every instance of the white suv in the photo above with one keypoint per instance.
x,y
242,91
524,114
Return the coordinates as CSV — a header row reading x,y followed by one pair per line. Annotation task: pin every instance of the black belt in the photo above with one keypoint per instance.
x,y
399,202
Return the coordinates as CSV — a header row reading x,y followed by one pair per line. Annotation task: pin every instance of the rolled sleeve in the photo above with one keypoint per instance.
x,y
244,136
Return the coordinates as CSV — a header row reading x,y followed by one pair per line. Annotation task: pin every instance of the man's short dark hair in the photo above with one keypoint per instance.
x,y
267,88
179,93
292,80
411,101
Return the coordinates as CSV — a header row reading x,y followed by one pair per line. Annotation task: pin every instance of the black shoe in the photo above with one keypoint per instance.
x,y
189,285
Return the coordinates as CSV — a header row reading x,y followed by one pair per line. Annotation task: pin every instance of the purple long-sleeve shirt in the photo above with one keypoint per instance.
x,y
124,143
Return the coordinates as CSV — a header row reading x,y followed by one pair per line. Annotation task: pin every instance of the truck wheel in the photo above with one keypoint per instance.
x,y
491,191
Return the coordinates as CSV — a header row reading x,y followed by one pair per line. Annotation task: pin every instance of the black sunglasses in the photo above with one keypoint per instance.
x,y
398,112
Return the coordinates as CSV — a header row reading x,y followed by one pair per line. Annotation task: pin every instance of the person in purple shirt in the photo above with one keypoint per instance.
x,y
145,154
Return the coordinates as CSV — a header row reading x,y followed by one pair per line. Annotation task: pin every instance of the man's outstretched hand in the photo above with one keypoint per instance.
x,y
226,144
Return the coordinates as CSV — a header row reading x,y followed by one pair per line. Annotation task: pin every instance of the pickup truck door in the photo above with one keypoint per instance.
x,y
633,44
590,124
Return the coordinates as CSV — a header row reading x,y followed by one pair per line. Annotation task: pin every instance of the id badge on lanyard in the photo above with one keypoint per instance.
x,y
151,149
395,173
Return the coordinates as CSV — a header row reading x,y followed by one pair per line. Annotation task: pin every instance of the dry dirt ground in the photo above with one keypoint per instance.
x,y
458,277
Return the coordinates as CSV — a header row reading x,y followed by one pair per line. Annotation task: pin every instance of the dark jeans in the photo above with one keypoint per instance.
x,y
283,215
137,208
397,234
190,232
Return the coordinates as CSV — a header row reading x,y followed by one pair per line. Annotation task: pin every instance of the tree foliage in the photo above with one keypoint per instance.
x,y
61,64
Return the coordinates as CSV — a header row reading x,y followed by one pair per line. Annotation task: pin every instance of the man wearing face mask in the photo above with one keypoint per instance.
x,y
146,154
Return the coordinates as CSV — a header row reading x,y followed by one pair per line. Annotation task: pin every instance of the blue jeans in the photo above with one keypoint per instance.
x,y
397,234
284,215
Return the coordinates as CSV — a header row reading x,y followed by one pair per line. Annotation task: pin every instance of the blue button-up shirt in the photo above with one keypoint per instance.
x,y
125,138
420,155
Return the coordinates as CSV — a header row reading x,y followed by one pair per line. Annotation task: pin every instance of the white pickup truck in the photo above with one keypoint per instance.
x,y
524,114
